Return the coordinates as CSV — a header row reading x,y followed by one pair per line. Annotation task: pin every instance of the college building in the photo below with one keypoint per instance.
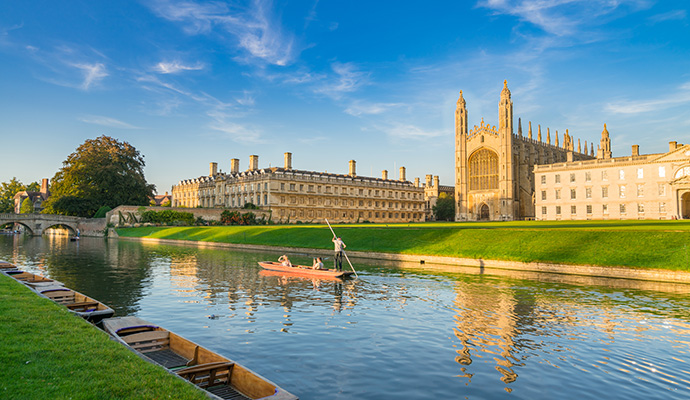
x,y
305,196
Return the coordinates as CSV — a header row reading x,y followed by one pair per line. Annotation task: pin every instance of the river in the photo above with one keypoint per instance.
x,y
395,332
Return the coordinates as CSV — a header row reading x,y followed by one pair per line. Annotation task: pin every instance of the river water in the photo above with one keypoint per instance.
x,y
396,332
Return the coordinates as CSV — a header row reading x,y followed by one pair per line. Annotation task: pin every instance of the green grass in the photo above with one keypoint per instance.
x,y
48,353
639,244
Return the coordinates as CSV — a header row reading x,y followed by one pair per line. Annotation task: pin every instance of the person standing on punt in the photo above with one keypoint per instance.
x,y
338,259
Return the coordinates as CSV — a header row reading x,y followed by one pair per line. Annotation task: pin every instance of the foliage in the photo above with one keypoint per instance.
x,y
168,217
166,203
102,171
73,205
444,209
9,189
230,217
250,206
27,206
102,212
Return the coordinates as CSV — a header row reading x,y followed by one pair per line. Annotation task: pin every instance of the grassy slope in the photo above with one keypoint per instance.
x,y
643,244
48,353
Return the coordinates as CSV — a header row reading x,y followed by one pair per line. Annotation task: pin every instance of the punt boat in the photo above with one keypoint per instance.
x,y
6,265
82,305
304,270
220,377
32,280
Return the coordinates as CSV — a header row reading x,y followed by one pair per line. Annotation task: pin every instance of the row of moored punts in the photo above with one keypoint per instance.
x,y
219,376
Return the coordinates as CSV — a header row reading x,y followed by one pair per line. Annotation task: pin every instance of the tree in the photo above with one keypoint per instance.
x,y
27,206
9,189
101,172
444,210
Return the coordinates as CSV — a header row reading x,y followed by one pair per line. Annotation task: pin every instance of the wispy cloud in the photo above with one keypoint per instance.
x,y
92,73
106,121
408,131
680,97
346,79
174,67
255,29
674,15
359,107
237,132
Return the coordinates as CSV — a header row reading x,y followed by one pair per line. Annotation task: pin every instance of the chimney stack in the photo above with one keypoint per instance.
x,y
353,171
213,169
416,182
635,150
672,146
234,165
288,160
253,162
384,174
402,174
436,182
428,180
44,186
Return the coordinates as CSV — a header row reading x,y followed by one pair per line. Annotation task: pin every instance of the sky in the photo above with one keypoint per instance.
x,y
193,82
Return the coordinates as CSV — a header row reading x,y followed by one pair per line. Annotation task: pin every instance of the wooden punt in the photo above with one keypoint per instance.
x,y
32,280
82,305
6,265
220,377
304,270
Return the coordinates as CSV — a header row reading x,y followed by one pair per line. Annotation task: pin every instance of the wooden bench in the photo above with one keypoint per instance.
x,y
145,342
82,305
206,375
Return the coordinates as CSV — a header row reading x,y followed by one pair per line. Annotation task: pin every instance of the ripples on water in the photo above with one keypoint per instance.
x,y
394,333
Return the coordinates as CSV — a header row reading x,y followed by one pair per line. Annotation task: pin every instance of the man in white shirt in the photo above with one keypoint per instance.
x,y
338,259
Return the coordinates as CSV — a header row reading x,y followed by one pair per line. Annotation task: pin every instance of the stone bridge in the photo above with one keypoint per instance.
x,y
36,224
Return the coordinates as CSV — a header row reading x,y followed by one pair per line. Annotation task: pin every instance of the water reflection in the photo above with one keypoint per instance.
x,y
407,332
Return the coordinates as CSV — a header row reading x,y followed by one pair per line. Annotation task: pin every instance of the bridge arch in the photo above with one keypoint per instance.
x,y
27,227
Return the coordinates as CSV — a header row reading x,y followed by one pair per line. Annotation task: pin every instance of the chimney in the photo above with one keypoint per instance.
x,y
253,162
213,169
672,146
436,185
428,180
234,165
402,174
384,174
635,150
44,186
416,182
288,160
352,168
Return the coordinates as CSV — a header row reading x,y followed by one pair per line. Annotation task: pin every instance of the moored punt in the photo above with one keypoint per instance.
x,y
219,376
82,305
6,265
32,280
304,270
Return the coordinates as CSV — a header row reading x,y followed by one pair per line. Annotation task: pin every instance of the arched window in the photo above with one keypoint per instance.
x,y
483,170
685,171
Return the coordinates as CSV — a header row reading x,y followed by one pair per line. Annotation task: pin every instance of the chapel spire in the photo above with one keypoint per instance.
x,y
604,145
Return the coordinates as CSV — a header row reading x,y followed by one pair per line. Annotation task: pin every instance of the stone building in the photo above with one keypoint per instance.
x,y
37,198
494,178
432,190
305,196
652,186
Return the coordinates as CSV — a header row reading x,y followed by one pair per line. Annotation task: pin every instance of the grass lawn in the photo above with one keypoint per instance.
x,y
639,244
48,353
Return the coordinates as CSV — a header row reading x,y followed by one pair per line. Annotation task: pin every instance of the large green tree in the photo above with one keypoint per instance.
x,y
101,172
9,189
444,210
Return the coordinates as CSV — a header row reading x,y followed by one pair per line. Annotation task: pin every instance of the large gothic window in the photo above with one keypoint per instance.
x,y
483,170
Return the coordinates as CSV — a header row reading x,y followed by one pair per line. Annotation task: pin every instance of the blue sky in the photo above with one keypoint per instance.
x,y
191,82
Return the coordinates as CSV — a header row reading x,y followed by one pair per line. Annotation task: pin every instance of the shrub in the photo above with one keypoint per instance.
x,y
102,211
168,217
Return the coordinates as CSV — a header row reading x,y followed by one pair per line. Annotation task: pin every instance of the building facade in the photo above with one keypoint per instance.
x,y
652,186
432,190
305,196
494,179
36,198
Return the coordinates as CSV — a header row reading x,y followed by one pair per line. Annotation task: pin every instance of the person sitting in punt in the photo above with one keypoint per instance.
x,y
284,261
318,263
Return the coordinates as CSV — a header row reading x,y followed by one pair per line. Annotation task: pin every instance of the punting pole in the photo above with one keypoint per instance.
x,y
346,257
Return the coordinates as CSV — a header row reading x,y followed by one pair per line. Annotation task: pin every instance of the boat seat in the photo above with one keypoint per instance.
x,y
149,341
82,304
206,375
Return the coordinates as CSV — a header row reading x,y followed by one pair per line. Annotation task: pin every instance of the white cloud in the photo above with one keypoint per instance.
x,y
92,73
254,27
236,132
674,15
679,97
348,78
174,67
408,131
106,121
358,108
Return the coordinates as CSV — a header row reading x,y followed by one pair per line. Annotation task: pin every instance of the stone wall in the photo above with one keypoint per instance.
x,y
208,214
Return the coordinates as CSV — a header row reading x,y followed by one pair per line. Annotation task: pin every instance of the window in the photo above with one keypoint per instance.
x,y
311,188
621,174
604,175
622,208
662,172
621,191
543,210
483,170
573,194
292,186
588,176
543,179
589,208
572,177
605,191
605,208
543,194
640,190
558,178
558,210
662,189
558,194
662,207
588,193
573,210
640,173
640,208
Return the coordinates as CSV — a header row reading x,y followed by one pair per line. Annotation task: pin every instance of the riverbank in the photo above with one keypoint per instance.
x,y
48,353
638,245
